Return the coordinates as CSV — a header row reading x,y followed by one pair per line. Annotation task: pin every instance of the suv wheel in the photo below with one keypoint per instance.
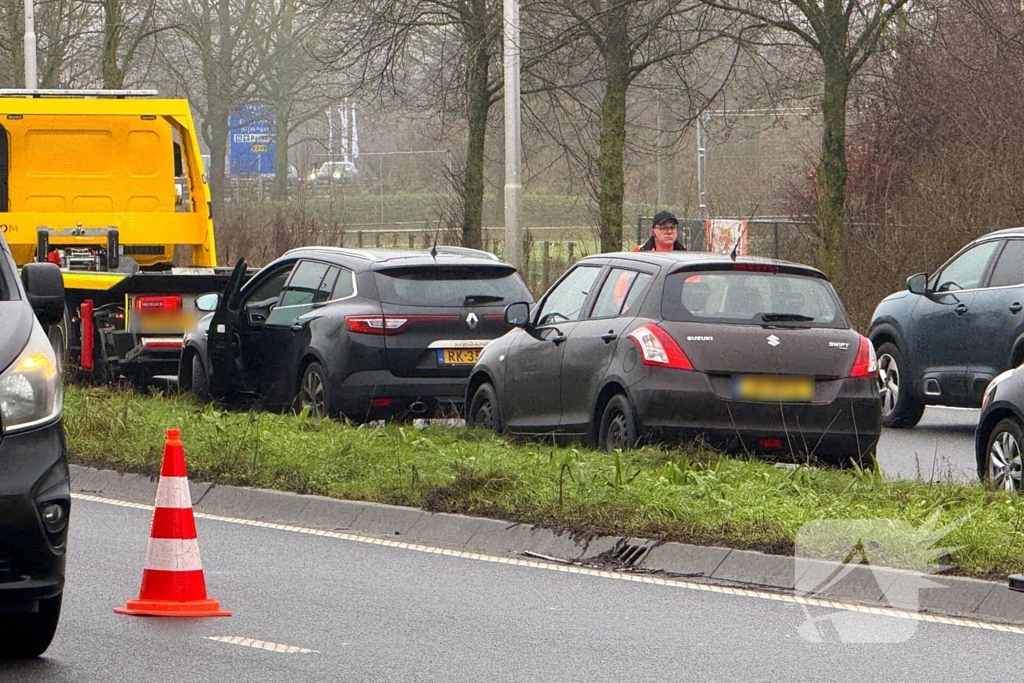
x,y
27,635
313,393
618,425
1002,467
483,409
900,408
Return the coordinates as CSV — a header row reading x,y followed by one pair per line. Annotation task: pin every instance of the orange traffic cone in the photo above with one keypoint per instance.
x,y
172,580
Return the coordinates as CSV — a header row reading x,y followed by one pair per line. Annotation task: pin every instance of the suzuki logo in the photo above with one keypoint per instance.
x,y
472,321
773,340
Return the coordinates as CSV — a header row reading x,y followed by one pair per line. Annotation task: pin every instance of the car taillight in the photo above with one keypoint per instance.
x,y
658,348
866,363
375,324
158,303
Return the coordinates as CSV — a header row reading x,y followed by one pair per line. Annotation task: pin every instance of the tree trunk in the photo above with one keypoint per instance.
x,y
113,74
478,102
217,122
832,169
16,30
615,53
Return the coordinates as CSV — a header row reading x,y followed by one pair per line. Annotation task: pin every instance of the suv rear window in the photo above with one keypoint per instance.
x,y
750,297
456,286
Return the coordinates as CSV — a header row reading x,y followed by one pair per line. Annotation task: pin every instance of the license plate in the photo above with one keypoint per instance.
x,y
771,388
166,323
457,356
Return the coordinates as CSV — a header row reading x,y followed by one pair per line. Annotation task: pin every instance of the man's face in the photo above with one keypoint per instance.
x,y
664,235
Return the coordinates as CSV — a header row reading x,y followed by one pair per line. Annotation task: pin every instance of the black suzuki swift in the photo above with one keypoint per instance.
x,y
35,497
752,355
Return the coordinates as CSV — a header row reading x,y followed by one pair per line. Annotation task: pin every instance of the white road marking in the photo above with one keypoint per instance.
x,y
587,571
262,645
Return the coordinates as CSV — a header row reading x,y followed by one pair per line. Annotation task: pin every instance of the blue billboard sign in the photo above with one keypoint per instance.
x,y
251,142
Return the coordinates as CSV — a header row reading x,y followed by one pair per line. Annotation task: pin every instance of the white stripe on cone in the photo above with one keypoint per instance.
x,y
173,554
172,492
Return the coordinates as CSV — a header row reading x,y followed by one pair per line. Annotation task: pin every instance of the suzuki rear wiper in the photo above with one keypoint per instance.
x,y
786,317
482,299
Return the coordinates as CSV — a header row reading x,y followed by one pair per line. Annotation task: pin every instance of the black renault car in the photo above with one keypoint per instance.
x,y
368,334
754,355
35,498
943,339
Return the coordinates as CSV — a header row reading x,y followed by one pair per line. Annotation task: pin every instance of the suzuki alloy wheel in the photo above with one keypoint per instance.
x,y
618,425
900,408
483,409
313,393
1003,466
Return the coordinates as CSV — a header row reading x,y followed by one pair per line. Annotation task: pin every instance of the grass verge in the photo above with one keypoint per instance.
x,y
689,495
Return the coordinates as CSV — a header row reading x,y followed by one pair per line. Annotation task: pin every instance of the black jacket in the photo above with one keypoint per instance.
x,y
649,245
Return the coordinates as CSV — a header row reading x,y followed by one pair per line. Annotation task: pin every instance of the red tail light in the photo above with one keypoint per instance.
x,y
866,363
658,348
158,303
380,325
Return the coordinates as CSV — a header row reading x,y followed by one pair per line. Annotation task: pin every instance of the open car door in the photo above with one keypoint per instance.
x,y
223,340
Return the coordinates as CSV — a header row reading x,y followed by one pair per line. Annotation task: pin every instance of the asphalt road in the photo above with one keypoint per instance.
x,y
940,448
374,613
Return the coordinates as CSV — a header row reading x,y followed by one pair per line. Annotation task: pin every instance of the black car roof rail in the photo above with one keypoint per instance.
x,y
356,253
466,251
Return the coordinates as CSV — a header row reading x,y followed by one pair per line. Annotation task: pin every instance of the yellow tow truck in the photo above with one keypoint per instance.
x,y
109,185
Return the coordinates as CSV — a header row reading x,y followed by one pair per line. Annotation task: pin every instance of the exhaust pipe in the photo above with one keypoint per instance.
x,y
418,407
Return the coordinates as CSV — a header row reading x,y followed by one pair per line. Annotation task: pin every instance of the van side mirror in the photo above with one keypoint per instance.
x,y
207,303
517,314
44,285
918,284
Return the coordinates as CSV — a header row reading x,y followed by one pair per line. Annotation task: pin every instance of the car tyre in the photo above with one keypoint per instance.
x,y
483,409
314,393
900,408
1002,466
618,426
200,379
25,635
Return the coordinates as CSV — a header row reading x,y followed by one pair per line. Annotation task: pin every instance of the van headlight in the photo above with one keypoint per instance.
x,y
31,392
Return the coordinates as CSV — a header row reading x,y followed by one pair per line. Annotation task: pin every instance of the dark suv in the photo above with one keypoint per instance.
x,y
368,334
944,339
35,498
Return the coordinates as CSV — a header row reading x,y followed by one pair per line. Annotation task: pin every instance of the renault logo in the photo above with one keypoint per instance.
x,y
472,320
773,340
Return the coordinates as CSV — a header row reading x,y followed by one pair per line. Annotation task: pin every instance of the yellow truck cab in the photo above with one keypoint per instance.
x,y
109,185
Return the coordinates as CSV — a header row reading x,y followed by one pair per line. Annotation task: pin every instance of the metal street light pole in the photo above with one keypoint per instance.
x,y
30,46
513,143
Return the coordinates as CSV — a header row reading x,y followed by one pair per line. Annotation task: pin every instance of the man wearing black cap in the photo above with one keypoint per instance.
x,y
663,234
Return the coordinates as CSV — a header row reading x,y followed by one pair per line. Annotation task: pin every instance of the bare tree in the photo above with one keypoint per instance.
x,y
219,65
844,34
595,52
437,53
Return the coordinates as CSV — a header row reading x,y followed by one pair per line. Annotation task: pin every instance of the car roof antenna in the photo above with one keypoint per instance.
x,y
433,250
743,231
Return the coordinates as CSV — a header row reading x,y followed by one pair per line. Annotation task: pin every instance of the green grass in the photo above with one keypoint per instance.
x,y
689,495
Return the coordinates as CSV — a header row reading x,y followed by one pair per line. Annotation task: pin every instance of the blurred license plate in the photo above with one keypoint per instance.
x,y
770,388
167,323
457,356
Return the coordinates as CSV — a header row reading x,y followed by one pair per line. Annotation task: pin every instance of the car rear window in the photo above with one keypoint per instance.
x,y
750,297
451,286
